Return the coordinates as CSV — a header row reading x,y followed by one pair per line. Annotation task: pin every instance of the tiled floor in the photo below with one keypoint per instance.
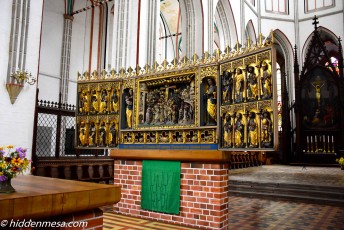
x,y
256,213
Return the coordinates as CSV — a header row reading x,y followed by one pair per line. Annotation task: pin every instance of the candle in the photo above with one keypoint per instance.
x,y
332,139
311,139
328,139
324,138
315,139
307,140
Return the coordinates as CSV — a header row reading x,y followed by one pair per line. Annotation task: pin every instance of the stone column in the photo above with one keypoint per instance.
x,y
65,56
18,37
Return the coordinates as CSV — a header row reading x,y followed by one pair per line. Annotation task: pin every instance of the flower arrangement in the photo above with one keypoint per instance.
x,y
340,161
12,163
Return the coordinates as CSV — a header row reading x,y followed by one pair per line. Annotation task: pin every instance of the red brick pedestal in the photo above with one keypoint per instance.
x,y
204,194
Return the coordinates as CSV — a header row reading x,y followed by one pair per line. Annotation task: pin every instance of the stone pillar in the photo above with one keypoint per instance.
x,y
18,37
65,56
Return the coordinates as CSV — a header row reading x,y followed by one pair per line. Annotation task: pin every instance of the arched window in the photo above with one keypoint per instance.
x,y
277,6
316,5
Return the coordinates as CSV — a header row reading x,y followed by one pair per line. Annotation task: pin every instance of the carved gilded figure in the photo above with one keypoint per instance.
x,y
252,86
92,135
94,101
318,85
266,130
129,109
266,81
112,134
210,96
227,131
82,135
252,131
102,135
83,102
239,85
170,102
103,102
114,101
239,128
227,86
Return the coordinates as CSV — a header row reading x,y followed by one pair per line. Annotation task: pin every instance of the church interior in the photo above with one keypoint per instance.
x,y
172,114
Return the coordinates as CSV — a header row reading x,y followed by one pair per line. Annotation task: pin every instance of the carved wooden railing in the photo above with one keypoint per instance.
x,y
244,160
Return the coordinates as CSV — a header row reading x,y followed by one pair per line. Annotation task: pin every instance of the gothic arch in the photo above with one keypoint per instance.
x,y
327,36
226,24
285,58
192,27
250,31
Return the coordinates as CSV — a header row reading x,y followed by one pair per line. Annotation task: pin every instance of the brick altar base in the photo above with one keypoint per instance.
x,y
204,194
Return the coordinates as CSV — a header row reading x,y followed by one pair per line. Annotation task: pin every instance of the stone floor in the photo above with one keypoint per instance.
x,y
327,176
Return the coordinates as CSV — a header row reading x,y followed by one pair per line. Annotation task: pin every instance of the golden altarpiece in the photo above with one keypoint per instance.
x,y
226,101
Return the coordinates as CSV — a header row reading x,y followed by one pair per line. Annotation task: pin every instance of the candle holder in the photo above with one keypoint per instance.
x,y
23,76
20,77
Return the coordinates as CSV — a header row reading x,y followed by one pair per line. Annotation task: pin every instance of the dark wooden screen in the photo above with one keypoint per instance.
x,y
319,103
54,153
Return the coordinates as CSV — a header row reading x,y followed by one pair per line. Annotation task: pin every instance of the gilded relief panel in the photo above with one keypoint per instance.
x,y
167,101
98,115
247,117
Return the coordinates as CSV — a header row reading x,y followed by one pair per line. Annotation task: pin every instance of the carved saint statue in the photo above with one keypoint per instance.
x,y
252,87
112,135
266,130
266,82
82,135
103,102
94,101
114,101
92,135
83,100
210,97
129,109
239,128
227,84
239,85
252,131
227,131
102,135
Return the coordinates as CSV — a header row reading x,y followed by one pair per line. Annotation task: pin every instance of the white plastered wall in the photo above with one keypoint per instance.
x,y
51,46
16,120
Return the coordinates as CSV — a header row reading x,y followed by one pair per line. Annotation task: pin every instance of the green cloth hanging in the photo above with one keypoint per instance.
x,y
161,186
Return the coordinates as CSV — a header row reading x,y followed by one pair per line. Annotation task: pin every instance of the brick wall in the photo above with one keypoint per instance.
x,y
204,194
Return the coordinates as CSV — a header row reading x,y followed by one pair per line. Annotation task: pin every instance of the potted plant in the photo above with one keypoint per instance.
x,y
341,162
